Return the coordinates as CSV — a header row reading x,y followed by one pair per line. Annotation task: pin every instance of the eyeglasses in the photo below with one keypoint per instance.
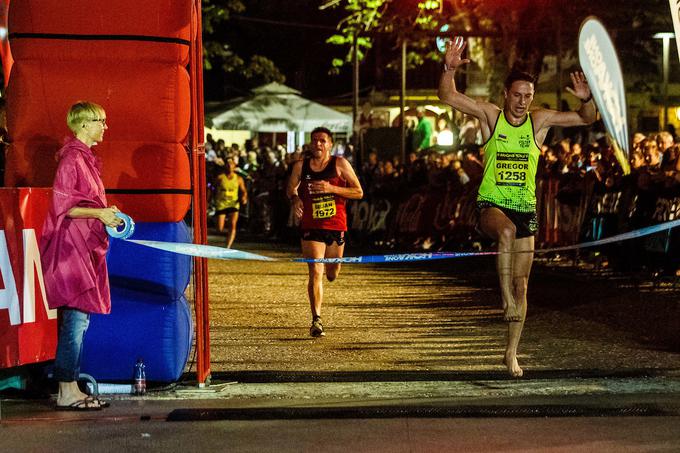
x,y
100,120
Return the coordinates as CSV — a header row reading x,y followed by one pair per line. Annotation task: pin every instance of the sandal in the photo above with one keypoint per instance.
x,y
102,403
80,406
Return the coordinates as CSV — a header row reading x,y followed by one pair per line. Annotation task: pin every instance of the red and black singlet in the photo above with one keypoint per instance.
x,y
322,211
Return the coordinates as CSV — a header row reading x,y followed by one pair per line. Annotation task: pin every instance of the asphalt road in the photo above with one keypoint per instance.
x,y
411,363
436,316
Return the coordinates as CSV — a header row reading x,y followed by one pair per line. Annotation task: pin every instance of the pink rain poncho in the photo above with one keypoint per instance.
x,y
73,251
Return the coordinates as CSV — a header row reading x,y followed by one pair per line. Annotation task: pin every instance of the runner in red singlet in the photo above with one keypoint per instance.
x,y
318,188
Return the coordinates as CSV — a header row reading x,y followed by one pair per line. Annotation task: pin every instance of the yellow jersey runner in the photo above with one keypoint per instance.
x,y
510,163
226,196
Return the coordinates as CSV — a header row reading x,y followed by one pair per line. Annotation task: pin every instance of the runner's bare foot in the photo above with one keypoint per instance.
x,y
513,367
512,313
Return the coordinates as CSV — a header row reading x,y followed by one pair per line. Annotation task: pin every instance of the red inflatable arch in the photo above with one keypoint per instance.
x,y
142,61
128,56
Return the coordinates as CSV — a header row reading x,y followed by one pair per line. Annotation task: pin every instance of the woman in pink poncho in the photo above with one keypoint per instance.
x,y
73,249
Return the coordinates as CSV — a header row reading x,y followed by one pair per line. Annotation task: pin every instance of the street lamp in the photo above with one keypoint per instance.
x,y
666,39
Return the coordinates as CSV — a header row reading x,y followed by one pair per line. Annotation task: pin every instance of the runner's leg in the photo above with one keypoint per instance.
x,y
232,221
314,250
220,222
333,269
497,226
521,268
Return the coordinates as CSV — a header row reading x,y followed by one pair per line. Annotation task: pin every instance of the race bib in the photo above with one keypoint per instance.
x,y
323,208
511,169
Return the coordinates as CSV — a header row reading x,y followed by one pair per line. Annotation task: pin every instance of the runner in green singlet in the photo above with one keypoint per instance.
x,y
507,199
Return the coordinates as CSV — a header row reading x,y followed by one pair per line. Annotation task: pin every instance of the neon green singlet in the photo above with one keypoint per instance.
x,y
510,162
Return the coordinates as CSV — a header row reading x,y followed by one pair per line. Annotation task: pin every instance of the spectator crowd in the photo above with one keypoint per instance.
x,y
575,172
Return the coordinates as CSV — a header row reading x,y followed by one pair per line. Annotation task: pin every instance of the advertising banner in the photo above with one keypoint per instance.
x,y
675,13
600,64
28,328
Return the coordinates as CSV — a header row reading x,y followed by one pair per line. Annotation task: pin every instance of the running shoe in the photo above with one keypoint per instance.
x,y
316,330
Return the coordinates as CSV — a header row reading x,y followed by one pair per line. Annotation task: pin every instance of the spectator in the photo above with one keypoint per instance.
x,y
370,171
73,249
422,135
469,133
444,133
668,150
463,177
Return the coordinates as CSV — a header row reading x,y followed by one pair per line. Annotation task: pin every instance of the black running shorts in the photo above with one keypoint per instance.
x,y
325,236
526,223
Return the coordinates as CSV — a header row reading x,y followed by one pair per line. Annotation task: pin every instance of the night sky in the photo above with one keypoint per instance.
x,y
303,56
300,53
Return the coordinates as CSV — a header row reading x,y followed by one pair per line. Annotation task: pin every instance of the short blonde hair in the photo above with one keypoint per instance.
x,y
80,112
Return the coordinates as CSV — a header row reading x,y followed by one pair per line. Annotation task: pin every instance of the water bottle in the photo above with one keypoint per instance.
x,y
140,378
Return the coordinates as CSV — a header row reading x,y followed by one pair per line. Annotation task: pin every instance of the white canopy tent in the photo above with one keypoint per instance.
x,y
277,108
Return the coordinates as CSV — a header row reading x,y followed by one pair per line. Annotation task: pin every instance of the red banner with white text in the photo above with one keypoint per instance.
x,y
28,329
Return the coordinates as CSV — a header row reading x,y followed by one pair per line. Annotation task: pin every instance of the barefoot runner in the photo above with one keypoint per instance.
x,y
507,200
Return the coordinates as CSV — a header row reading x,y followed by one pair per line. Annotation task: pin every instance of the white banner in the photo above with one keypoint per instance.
x,y
675,12
602,69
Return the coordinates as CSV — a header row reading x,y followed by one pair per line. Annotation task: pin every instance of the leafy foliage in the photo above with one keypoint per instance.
x,y
363,16
216,13
517,33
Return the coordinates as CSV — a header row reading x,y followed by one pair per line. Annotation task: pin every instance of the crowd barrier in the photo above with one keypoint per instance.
x,y
438,219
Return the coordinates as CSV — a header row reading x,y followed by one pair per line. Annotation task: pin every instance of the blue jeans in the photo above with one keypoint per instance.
x,y
72,326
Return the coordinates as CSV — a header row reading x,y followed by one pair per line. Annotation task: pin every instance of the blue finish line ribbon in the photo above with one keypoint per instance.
x,y
203,251
394,258
220,253
410,257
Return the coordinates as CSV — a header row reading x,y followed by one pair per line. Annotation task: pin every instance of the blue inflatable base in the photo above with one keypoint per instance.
x,y
134,266
146,326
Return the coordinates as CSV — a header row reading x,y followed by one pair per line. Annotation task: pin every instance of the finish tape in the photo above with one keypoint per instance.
x,y
220,253
202,251
408,257
128,227
396,258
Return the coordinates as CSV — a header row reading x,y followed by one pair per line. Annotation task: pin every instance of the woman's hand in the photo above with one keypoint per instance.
x,y
109,218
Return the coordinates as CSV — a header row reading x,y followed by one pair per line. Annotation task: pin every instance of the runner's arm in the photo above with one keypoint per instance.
x,y
353,190
449,94
292,189
294,180
586,114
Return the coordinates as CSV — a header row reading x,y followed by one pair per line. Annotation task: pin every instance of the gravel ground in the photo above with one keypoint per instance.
x,y
432,317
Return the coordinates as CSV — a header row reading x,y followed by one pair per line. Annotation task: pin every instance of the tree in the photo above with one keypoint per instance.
x,y
507,34
398,19
218,52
